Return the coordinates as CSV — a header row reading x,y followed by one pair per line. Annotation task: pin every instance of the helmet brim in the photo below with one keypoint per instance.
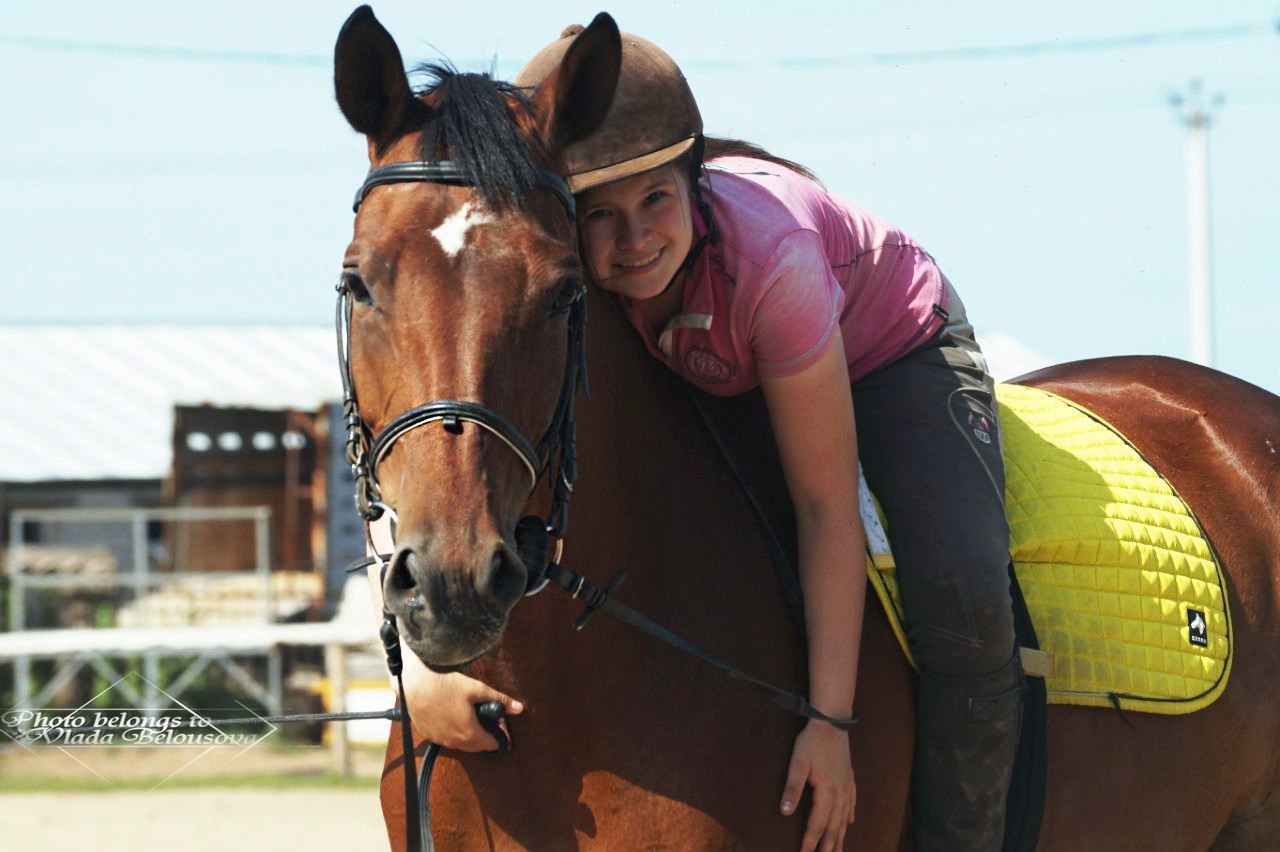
x,y
629,168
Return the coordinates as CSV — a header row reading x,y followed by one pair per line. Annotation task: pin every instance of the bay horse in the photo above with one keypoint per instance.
x,y
460,293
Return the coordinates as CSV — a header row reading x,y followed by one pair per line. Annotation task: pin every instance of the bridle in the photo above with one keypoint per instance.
x,y
364,451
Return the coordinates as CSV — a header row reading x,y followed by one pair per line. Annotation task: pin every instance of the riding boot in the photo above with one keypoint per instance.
x,y
966,737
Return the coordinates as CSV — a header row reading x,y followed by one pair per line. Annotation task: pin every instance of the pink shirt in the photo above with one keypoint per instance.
x,y
792,262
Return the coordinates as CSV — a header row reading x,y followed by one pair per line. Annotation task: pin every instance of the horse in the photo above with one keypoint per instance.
x,y
460,292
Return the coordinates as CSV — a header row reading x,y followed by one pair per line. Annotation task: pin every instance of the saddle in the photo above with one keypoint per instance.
x,y
1124,589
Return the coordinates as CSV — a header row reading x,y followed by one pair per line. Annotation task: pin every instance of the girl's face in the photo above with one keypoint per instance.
x,y
637,231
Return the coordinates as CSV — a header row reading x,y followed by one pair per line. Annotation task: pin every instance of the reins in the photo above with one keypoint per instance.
x,y
599,599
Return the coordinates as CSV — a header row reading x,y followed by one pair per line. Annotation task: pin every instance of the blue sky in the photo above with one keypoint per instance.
x,y
142,186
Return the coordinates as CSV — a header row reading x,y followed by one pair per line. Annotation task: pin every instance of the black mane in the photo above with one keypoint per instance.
x,y
471,125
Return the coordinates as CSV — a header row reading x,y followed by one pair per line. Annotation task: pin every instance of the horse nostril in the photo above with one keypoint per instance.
x,y
399,576
504,580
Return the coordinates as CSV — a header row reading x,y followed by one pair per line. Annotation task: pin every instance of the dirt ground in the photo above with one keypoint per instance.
x,y
157,799
193,820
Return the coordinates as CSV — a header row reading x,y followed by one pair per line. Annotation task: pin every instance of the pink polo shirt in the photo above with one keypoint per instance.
x,y
793,261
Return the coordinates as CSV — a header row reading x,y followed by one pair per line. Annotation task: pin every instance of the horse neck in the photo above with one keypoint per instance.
x,y
615,716
655,499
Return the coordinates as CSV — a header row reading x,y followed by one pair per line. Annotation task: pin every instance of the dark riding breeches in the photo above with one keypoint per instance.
x,y
929,444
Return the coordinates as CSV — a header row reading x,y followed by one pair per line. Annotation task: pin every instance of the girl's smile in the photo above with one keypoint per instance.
x,y
640,267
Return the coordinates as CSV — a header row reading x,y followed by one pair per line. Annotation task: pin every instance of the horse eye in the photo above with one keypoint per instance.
x,y
354,284
571,290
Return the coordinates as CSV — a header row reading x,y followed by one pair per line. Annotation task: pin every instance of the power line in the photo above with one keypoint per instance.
x,y
1082,45
183,54
1031,49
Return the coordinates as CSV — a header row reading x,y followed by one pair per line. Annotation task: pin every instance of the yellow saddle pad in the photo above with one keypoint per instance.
x,y
1126,594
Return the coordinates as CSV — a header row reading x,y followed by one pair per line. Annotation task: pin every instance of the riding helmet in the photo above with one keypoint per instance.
x,y
652,121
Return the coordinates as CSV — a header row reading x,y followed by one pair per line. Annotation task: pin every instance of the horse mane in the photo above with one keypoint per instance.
x,y
472,123
723,146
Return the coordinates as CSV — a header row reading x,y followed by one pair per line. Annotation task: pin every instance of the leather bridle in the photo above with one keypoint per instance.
x,y
364,451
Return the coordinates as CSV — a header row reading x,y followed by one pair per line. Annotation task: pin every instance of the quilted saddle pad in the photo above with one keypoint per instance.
x,y
1125,591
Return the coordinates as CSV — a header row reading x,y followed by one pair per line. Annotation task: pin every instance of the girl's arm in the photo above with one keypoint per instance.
x,y
813,424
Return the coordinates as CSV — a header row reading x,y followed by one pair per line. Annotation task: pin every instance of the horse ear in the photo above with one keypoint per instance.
x,y
575,98
369,78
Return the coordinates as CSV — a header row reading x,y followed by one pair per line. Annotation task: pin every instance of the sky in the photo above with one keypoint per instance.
x,y
187,163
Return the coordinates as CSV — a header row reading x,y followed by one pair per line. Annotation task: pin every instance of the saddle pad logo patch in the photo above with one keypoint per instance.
x,y
1197,628
706,366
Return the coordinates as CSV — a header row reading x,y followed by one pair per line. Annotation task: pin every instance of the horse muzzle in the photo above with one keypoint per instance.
x,y
452,611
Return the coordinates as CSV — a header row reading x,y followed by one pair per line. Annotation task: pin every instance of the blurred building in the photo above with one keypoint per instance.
x,y
210,419
119,417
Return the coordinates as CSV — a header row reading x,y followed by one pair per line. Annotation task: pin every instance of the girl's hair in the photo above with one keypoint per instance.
x,y
709,148
719,146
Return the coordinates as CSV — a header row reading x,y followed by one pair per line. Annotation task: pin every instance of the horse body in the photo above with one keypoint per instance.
x,y
626,744
665,754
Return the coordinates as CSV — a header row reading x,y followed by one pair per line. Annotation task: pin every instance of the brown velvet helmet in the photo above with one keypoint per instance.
x,y
652,121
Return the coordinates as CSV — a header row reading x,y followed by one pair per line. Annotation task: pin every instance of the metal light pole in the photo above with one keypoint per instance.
x,y
1197,117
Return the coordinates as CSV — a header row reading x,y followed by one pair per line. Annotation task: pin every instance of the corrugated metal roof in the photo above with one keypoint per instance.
x,y
96,401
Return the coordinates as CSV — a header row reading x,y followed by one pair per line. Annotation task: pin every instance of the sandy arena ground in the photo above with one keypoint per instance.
x,y
199,820
280,817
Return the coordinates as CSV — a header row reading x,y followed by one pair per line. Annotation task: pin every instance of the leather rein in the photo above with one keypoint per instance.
x,y
534,536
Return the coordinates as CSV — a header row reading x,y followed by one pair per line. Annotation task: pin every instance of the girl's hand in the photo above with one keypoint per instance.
x,y
442,707
822,759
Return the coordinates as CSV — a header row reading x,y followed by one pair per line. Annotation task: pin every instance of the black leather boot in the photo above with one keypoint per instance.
x,y
966,738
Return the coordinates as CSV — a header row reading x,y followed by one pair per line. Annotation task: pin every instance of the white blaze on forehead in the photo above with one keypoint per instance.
x,y
452,233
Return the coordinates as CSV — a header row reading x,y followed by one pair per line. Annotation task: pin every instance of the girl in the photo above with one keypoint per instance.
x,y
738,269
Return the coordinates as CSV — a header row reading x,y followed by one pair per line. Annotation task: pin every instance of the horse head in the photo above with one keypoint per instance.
x,y
457,307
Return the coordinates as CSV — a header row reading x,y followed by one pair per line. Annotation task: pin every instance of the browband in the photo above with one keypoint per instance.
x,y
449,172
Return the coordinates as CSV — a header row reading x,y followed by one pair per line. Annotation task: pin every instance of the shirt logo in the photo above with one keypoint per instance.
x,y
702,364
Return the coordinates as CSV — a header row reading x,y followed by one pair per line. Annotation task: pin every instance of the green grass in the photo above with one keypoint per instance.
x,y
279,781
